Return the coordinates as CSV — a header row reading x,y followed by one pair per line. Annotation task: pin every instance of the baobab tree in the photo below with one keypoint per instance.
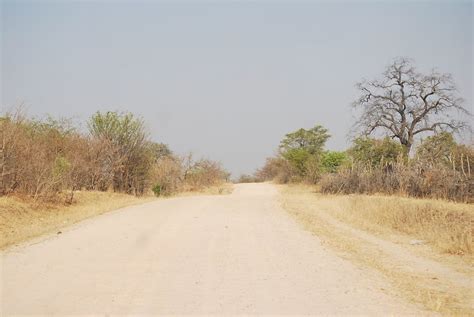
x,y
405,103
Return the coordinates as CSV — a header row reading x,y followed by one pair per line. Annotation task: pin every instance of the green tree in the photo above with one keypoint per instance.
x,y
303,148
312,140
331,161
442,149
375,152
437,148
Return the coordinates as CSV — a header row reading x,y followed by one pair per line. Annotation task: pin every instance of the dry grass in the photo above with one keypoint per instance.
x,y
23,219
445,226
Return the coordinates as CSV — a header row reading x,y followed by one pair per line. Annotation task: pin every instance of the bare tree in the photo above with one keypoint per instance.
x,y
405,103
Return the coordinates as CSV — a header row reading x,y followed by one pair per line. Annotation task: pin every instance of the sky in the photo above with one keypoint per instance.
x,y
225,80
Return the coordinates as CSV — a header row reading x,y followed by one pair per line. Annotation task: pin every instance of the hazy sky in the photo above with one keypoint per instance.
x,y
223,79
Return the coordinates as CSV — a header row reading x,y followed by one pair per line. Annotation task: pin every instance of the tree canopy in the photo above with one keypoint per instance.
x,y
404,103
311,140
303,148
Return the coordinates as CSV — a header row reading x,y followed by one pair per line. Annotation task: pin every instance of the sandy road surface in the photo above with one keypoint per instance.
x,y
234,254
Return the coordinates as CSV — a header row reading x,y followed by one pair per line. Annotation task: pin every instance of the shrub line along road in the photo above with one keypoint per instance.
x,y
232,254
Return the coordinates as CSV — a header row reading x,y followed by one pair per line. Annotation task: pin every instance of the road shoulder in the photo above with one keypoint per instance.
x,y
437,286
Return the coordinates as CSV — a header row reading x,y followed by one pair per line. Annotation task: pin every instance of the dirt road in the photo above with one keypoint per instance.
x,y
233,254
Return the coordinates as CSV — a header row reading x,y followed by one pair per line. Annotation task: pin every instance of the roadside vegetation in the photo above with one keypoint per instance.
x,y
49,160
400,198
440,168
50,167
436,169
403,142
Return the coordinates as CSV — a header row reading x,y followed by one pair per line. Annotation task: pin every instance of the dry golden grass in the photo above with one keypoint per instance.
x,y
445,226
23,219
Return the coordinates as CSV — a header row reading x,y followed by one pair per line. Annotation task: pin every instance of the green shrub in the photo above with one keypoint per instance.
x,y
157,190
375,152
331,161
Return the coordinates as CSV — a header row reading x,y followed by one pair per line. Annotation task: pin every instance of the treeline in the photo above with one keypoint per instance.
x,y
440,167
405,106
51,159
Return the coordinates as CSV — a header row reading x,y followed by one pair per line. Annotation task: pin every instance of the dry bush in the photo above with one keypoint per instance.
x,y
279,170
166,176
131,158
441,168
100,163
204,173
173,174
36,157
13,139
414,179
245,178
269,170
49,160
